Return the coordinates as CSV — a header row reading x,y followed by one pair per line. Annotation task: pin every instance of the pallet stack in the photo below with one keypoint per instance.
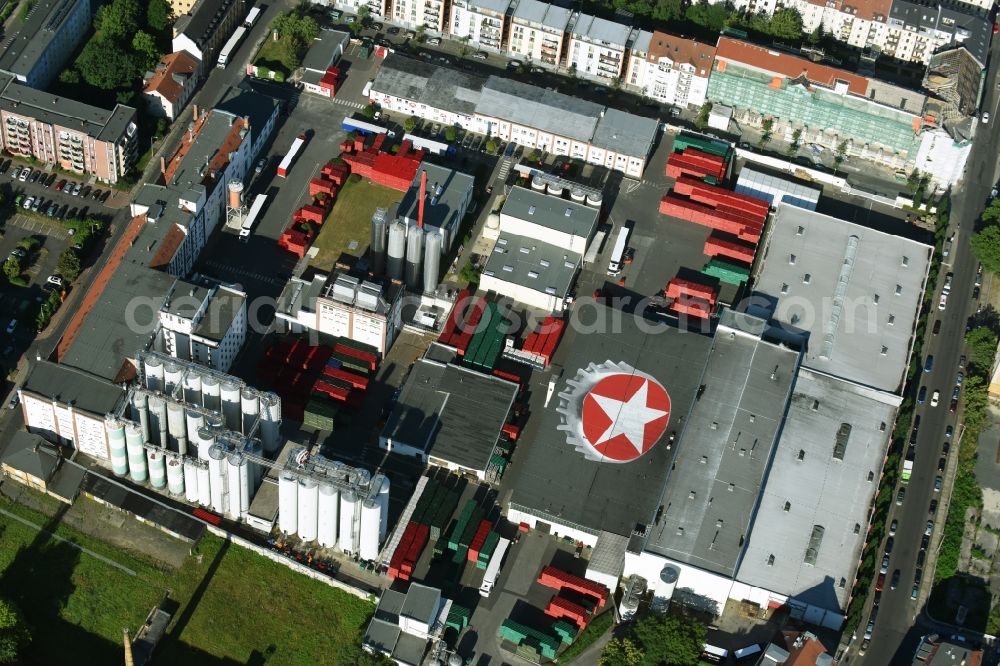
x,y
479,540
519,634
458,617
405,557
561,607
543,343
559,579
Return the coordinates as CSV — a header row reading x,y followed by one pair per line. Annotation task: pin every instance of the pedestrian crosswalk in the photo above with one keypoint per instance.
x,y
504,170
345,102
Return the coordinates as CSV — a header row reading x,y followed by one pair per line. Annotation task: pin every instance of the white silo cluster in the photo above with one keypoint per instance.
x,y
333,504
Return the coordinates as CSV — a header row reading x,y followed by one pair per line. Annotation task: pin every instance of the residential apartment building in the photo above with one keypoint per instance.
x,y
674,70
599,48
75,136
206,26
432,14
167,89
538,32
205,322
39,49
481,22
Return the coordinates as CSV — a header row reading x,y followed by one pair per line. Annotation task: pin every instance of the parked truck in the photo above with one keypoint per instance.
x,y
908,464
286,161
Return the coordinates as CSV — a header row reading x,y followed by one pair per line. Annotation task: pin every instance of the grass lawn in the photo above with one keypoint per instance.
x,y
234,606
350,220
272,55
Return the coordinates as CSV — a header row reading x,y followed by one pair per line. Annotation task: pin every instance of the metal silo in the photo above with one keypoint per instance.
x,y
210,392
249,407
173,375
191,493
537,183
157,421
117,447
231,405
396,253
157,469
176,427
368,534
327,514
288,503
217,477
270,422
206,438
383,500
414,258
153,370
238,485
308,507
594,200
432,261
204,486
254,447
347,538
192,388
380,227
175,475
140,412
193,423
136,454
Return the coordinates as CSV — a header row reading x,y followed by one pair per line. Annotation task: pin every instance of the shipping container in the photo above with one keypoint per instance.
x,y
560,607
355,380
286,161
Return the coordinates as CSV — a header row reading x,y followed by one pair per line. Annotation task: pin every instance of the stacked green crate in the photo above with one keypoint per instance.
x,y
565,630
482,332
471,527
486,552
360,346
726,271
518,633
446,502
458,617
528,652
461,555
319,413
352,364
461,523
685,140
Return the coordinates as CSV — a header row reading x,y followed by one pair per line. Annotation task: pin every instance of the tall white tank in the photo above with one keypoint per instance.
x,y
308,509
329,508
432,261
193,423
204,486
217,477
158,433
414,258
140,412
157,469
153,370
236,483
368,536
538,184
380,226
177,427
210,392
191,490
396,255
347,538
555,189
383,501
578,196
173,375
270,422
175,475
257,471
116,441
288,503
231,405
136,454
192,388
595,200
246,485
206,438
249,407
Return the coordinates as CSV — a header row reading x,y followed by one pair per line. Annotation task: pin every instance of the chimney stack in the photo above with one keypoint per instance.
x,y
163,166
196,113
423,195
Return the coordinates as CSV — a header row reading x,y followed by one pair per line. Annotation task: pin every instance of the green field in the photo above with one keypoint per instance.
x,y
350,220
273,55
233,606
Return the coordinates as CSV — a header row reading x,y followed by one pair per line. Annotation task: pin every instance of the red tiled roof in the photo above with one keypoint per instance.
x,y
787,65
805,653
682,51
175,236
181,63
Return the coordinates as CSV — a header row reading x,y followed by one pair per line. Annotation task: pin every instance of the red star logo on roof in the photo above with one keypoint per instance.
x,y
624,415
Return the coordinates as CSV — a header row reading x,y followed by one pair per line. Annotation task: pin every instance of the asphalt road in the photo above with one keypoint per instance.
x,y
897,628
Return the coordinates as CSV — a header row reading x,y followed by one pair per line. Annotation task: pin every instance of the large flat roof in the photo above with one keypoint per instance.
x,y
69,385
45,107
625,133
554,478
542,13
45,20
434,413
425,83
813,483
533,264
540,108
325,49
549,211
446,192
852,291
725,448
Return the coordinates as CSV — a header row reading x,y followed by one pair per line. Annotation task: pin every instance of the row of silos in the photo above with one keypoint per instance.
x,y
411,254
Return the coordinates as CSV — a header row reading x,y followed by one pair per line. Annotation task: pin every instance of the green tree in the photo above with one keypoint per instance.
x,y
69,265
992,212
410,124
491,145
981,344
702,120
368,111
712,17
986,247
12,268
145,49
816,36
158,13
469,273
119,19
786,24
621,652
450,133
676,640
667,10
14,634
70,75
105,65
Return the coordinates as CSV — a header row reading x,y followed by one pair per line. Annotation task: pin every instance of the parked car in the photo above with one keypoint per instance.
x,y
11,327
4,166
900,496
15,400
914,592
938,483
480,55
55,279
929,528
921,556
35,175
52,209
932,507
943,303
60,185
895,580
892,527
948,431
937,327
96,196
929,363
71,214
434,41
935,398
393,30
925,541
36,204
25,172
27,203
378,27
85,192
879,582
921,395
889,543
869,630
77,188
261,163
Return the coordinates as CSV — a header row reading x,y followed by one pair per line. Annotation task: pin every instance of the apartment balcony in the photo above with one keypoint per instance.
x,y
548,60
610,60
608,70
549,49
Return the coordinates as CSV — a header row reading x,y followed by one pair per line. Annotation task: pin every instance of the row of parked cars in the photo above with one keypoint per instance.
x,y
28,175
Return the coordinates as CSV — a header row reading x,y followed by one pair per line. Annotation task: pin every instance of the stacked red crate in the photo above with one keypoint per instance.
x,y
692,307
479,539
369,358
466,329
450,329
558,579
739,225
355,380
692,162
560,607
679,287
716,196
732,248
511,430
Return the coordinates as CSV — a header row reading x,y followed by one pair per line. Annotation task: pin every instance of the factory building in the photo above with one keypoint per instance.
x,y
403,623
39,464
204,322
341,305
776,189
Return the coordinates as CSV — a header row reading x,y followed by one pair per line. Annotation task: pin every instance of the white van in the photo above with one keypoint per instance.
x,y
748,651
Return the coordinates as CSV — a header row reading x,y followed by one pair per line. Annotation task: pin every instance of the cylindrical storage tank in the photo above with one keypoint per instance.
x,y
175,475
257,449
249,407
246,479
192,388
193,423
234,482
136,454
383,501
432,261
380,228
191,481
210,393
595,200
204,486
347,539
308,509
538,184
396,254
577,196
158,421
217,477
153,370
368,537
172,376
555,189
177,427
414,258
206,439
493,223
270,422
231,405
157,469
288,503
668,582
328,510
140,412
235,194
116,445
